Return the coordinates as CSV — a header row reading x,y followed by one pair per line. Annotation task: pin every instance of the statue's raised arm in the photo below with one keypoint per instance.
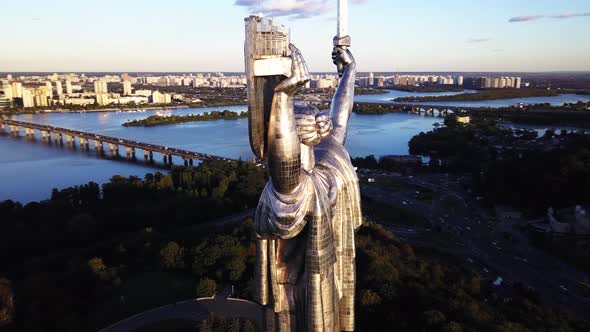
x,y
343,100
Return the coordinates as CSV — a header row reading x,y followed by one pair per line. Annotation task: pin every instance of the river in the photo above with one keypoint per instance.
x,y
553,100
29,170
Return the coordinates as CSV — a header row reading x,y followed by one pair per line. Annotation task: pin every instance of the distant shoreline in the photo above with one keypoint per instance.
x,y
483,95
113,109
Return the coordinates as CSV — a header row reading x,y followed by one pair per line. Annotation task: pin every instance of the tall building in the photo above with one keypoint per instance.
x,y
460,80
59,88
102,99
49,86
518,82
371,79
7,89
5,102
41,96
69,89
509,82
17,90
496,83
28,98
100,87
161,98
127,88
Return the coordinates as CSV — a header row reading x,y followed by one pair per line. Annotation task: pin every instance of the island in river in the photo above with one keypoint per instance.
x,y
483,95
157,120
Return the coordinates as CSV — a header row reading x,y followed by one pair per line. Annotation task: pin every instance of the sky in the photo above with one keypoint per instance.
x,y
207,35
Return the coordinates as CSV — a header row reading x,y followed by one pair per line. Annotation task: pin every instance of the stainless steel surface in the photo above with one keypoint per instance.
x,y
342,30
265,42
310,209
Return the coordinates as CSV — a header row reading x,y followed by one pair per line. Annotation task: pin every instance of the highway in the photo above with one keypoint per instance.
x,y
493,248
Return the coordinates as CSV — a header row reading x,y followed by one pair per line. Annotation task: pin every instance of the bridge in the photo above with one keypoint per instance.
x,y
99,141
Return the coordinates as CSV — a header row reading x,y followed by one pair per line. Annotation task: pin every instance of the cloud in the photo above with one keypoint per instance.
x,y
478,40
570,15
537,17
296,9
525,18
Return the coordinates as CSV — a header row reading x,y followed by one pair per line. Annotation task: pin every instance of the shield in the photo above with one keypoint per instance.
x,y
266,51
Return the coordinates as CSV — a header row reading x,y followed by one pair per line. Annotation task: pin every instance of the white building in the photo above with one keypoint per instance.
x,y
102,98
59,88
7,89
131,99
69,89
127,90
79,101
28,98
100,87
161,98
145,93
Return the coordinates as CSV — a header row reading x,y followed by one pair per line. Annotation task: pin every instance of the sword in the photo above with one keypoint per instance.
x,y
342,38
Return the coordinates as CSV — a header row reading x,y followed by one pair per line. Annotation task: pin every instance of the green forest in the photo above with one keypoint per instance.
x,y
491,94
512,166
91,255
156,120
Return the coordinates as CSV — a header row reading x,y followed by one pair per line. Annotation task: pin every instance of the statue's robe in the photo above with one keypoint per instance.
x,y
305,265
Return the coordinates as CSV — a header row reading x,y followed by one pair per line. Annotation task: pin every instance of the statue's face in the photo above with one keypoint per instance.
x,y
312,125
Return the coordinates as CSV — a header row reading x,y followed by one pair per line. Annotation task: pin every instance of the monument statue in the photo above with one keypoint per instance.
x,y
310,209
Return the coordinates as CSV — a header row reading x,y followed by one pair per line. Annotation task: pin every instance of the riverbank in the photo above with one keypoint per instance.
x,y
483,95
157,120
98,109
375,108
367,92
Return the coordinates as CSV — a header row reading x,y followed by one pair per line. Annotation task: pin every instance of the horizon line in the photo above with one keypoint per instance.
x,y
312,72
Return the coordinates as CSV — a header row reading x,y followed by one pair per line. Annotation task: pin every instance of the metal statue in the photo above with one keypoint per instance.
x,y
310,209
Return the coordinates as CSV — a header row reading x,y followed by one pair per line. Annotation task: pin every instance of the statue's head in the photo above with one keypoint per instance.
x,y
312,125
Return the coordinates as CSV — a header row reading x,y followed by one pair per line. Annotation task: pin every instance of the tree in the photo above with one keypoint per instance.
x,y
171,256
204,326
233,325
511,327
206,287
369,298
433,318
249,327
453,327
97,265
6,302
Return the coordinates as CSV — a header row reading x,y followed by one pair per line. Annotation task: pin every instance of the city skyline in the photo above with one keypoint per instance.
x,y
190,36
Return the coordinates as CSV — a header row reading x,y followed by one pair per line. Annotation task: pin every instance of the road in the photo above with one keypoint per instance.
x,y
478,238
190,310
